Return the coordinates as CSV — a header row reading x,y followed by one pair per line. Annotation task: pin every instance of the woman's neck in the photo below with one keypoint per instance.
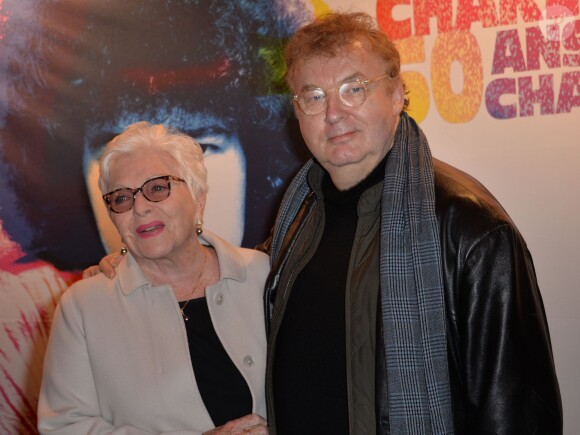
x,y
187,274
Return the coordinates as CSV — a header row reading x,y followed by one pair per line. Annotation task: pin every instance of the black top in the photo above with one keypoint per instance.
x,y
310,381
223,389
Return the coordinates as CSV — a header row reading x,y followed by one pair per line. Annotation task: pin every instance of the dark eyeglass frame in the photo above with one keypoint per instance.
x,y
107,197
363,83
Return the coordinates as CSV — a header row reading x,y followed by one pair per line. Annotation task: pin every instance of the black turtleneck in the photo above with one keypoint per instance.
x,y
310,383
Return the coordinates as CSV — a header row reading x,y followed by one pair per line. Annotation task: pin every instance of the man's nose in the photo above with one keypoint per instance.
x,y
335,108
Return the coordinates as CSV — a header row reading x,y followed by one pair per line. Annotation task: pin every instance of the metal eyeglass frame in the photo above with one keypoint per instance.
x,y
363,83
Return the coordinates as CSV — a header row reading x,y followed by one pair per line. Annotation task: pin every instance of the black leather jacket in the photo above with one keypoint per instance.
x,y
502,374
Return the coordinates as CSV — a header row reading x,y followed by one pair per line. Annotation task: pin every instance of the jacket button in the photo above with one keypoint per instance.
x,y
249,361
219,299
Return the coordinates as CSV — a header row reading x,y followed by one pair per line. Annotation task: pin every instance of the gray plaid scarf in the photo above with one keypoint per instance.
x,y
412,304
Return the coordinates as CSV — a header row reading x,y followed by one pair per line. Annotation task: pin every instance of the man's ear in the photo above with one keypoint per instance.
x,y
398,98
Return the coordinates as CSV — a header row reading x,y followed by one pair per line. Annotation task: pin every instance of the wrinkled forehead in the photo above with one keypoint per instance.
x,y
134,167
344,62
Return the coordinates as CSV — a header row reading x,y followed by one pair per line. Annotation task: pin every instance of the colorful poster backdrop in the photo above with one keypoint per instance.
x,y
495,85
75,73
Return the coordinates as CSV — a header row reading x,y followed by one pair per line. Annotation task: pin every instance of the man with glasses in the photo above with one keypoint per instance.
x,y
402,298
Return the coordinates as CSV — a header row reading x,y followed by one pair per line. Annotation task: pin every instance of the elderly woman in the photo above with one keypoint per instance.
x,y
175,343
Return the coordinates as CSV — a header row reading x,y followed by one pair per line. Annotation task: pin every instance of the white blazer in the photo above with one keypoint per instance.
x,y
118,357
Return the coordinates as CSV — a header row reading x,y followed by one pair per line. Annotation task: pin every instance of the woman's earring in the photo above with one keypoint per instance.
x,y
123,247
199,229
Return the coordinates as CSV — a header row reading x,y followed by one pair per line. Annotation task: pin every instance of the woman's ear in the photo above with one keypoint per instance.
x,y
200,200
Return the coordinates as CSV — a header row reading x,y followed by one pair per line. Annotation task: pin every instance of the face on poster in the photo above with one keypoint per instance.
x,y
223,154
77,74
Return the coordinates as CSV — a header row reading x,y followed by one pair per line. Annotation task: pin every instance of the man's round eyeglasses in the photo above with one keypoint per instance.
x,y
351,94
155,190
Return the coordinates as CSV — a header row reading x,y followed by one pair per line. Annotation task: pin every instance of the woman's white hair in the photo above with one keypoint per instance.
x,y
142,136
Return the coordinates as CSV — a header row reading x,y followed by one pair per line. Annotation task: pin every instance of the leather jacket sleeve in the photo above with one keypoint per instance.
x,y
501,366
506,367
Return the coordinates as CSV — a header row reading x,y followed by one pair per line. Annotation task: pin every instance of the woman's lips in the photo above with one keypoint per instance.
x,y
150,230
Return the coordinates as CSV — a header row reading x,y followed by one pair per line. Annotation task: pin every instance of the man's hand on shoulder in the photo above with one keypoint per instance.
x,y
106,266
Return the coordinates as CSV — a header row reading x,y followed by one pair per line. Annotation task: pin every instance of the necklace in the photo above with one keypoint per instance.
x,y
185,316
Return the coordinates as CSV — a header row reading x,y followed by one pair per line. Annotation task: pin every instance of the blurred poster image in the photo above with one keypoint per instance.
x,y
73,74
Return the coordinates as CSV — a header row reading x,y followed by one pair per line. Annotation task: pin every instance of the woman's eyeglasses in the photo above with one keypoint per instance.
x,y
155,190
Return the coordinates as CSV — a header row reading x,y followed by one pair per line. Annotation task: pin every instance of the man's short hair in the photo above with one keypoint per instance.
x,y
331,32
